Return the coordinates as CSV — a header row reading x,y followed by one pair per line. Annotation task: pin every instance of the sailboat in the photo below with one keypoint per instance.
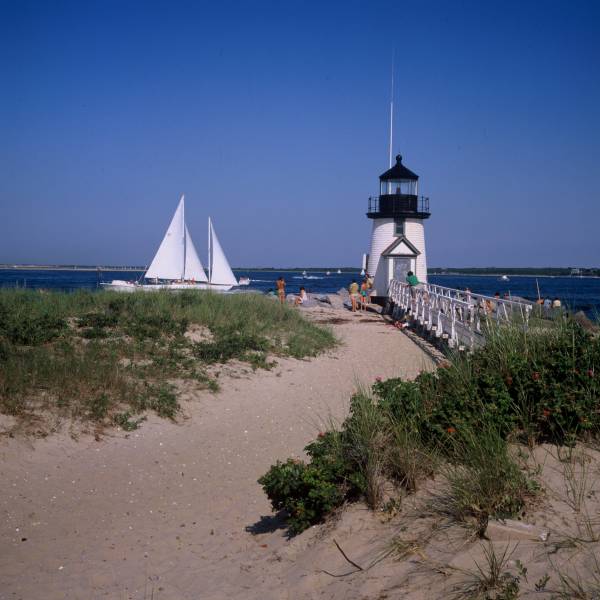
x,y
177,266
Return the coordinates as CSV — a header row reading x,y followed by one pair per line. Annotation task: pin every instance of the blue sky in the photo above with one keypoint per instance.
x,y
272,117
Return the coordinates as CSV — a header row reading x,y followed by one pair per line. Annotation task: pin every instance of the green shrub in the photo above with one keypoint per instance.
x,y
160,398
98,320
32,330
154,325
5,349
99,407
304,491
544,385
228,345
541,384
126,421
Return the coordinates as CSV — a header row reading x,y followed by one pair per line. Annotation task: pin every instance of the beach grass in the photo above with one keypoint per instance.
x,y
461,422
107,357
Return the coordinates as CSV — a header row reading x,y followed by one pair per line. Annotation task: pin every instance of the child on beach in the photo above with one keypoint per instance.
x,y
301,298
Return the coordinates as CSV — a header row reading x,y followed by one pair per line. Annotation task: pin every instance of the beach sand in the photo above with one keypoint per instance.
x,y
173,511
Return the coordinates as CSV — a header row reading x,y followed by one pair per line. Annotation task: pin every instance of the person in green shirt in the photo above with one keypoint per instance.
x,y
412,281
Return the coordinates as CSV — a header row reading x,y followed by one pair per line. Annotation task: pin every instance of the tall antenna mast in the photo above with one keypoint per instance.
x,y
392,108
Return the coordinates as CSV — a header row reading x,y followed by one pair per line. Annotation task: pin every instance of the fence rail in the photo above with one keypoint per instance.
x,y
455,315
398,204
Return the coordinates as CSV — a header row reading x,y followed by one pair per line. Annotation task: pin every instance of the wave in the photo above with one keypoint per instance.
x,y
307,277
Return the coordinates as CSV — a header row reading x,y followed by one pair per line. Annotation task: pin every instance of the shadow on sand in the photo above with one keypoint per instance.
x,y
268,524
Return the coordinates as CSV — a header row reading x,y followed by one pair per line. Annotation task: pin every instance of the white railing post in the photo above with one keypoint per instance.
x,y
454,314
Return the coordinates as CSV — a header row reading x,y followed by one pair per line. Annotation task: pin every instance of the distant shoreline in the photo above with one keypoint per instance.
x,y
593,273
130,269
509,275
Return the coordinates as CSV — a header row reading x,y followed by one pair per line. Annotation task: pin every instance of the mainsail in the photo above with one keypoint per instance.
x,y
220,271
193,266
177,257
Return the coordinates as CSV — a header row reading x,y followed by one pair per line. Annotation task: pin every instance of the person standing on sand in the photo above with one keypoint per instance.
x,y
281,289
354,295
364,294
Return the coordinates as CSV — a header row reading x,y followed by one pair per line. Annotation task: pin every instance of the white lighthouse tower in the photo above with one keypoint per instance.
x,y
398,235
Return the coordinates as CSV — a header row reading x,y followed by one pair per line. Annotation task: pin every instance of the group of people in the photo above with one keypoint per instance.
x,y
301,298
360,295
547,303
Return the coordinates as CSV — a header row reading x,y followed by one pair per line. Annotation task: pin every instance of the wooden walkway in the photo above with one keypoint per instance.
x,y
459,317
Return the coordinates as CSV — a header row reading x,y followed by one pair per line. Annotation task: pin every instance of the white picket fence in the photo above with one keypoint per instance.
x,y
457,316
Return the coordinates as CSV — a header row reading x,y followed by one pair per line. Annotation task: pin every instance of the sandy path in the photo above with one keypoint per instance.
x,y
162,513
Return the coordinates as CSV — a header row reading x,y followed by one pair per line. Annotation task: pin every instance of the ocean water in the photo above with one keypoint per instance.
x,y
576,293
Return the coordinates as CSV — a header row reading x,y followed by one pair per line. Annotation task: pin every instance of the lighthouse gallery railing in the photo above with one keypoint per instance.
x,y
398,204
455,315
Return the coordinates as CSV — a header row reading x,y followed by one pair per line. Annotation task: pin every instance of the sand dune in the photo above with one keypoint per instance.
x,y
173,510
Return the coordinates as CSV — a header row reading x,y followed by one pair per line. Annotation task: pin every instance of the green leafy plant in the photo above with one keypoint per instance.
x,y
305,492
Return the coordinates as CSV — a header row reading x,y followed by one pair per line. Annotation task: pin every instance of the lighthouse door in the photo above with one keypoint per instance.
x,y
401,268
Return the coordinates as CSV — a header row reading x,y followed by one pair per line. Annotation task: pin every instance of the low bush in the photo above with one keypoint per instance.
x,y
537,385
355,460
230,344
542,385
38,329
305,492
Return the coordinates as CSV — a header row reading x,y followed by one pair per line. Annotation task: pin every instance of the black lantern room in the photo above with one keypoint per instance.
x,y
398,195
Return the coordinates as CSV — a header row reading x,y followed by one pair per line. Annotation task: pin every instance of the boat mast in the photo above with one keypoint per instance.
x,y
209,261
184,236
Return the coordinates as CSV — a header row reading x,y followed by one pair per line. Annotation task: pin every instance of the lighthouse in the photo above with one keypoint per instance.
x,y
398,234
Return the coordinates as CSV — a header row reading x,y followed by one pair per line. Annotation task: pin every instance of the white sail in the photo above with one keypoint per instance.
x,y
220,271
177,257
193,266
169,261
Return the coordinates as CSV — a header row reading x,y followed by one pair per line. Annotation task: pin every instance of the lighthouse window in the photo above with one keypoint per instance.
x,y
398,187
398,226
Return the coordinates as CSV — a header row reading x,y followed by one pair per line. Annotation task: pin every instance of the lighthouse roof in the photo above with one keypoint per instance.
x,y
398,171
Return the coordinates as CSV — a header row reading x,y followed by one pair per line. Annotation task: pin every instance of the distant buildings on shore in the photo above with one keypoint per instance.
x,y
495,271
72,267
523,271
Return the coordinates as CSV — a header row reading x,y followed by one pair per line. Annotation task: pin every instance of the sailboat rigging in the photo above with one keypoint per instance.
x,y
177,266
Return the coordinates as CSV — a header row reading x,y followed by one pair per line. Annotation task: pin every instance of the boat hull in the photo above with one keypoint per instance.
x,y
128,286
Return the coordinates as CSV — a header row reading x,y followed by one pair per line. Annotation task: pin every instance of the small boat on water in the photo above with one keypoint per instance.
x,y
177,266
339,271
244,281
328,273
504,278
